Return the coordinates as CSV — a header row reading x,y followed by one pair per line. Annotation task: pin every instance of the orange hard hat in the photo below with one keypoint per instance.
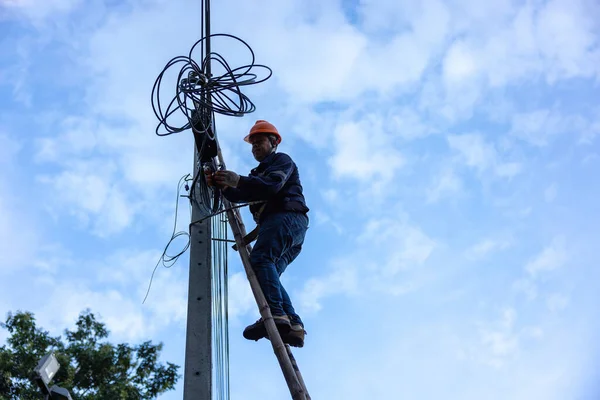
x,y
262,126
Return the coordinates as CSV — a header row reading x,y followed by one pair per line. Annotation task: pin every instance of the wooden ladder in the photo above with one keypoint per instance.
x,y
286,359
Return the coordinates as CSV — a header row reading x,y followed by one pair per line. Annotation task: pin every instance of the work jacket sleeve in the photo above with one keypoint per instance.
x,y
233,195
266,184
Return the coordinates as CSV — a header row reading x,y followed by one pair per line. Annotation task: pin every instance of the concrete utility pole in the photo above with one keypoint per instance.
x,y
198,353
198,349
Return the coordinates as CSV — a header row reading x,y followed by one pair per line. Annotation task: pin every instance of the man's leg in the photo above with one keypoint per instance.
x,y
283,263
278,235
274,239
299,226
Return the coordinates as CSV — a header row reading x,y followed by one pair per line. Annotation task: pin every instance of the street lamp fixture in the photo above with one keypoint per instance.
x,y
58,393
45,371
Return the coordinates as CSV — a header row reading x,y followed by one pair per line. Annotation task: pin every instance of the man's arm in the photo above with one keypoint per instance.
x,y
233,195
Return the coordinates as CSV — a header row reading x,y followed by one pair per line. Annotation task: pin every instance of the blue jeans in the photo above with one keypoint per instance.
x,y
280,239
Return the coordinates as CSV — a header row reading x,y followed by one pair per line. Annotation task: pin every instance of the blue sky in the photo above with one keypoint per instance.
x,y
449,153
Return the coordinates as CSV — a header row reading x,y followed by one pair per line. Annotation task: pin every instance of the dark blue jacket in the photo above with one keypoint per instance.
x,y
275,180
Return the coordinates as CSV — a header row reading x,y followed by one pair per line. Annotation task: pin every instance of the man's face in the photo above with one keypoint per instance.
x,y
261,146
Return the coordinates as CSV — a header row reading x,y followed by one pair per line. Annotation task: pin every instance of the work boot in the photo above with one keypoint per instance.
x,y
258,330
295,337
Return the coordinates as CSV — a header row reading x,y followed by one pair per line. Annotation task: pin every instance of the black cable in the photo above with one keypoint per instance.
x,y
225,210
209,94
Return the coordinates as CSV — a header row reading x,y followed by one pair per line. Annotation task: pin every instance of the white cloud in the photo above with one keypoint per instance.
x,y
343,63
107,166
51,258
446,183
330,195
508,170
112,288
108,176
535,127
550,193
527,287
477,153
129,271
589,133
552,257
342,279
589,158
459,64
567,34
91,190
503,44
387,265
19,236
499,339
322,218
503,342
541,127
38,11
555,40
557,302
9,148
384,16
142,159
408,124
327,54
365,153
75,136
241,299
122,316
485,247
404,246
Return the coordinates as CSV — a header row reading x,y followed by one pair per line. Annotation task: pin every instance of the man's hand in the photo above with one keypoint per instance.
x,y
226,178
210,181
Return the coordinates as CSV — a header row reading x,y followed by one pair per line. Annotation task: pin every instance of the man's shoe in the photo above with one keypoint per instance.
x,y
257,330
282,322
295,337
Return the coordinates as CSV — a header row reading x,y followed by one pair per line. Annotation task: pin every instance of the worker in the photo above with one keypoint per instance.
x,y
281,220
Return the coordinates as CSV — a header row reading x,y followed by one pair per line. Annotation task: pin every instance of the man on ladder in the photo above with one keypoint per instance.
x,y
281,220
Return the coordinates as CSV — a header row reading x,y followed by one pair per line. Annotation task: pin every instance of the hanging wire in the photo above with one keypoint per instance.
x,y
169,260
220,326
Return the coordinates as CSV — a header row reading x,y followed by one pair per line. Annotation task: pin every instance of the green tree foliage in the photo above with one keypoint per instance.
x,y
91,368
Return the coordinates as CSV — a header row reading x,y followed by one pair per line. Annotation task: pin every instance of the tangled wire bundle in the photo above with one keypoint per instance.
x,y
199,95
